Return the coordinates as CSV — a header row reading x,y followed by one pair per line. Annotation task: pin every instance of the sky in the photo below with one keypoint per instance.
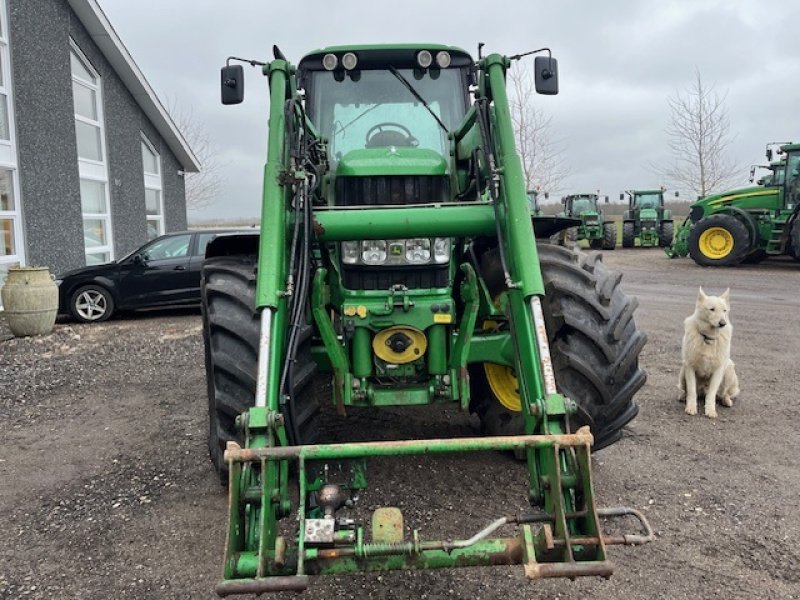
x,y
619,62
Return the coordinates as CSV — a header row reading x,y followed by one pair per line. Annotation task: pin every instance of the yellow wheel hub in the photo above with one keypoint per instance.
x,y
503,383
716,242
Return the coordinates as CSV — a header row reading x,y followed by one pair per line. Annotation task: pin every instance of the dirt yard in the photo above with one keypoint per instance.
x,y
106,490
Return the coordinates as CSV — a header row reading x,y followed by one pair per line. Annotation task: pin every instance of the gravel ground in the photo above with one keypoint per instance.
x,y
106,489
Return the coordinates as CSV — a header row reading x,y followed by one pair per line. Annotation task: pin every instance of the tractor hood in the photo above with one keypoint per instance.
x,y
646,214
744,198
391,160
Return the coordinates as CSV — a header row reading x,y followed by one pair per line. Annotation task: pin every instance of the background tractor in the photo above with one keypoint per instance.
x,y
397,260
647,219
747,224
600,232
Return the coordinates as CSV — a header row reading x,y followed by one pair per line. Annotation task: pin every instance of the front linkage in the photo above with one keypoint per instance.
x,y
563,536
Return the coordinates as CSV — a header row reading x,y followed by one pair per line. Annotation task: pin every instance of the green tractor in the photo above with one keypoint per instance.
x,y
747,224
533,203
647,219
397,262
601,233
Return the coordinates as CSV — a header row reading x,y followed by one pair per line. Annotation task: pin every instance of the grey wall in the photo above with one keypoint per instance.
x,y
48,163
40,32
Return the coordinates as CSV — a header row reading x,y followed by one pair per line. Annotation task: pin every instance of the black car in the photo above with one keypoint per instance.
x,y
163,272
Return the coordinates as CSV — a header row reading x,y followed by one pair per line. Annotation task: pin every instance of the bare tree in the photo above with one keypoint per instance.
x,y
699,138
202,188
542,157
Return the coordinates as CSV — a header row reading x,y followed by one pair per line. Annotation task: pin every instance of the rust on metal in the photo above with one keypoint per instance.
x,y
234,453
289,583
571,569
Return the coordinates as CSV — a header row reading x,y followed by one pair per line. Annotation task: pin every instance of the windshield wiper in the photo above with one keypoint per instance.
x,y
416,95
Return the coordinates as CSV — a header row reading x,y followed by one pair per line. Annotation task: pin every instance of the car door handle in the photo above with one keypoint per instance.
x,y
180,268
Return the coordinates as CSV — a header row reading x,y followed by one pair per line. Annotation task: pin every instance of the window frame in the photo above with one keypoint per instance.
x,y
9,160
155,183
90,169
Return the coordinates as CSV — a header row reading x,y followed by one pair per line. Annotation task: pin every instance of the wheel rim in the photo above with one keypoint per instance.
x,y
504,385
91,305
716,242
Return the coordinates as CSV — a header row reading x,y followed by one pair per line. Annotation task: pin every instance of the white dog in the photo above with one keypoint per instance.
x,y
706,352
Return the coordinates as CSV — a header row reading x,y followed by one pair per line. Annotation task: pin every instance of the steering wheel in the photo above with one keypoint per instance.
x,y
378,136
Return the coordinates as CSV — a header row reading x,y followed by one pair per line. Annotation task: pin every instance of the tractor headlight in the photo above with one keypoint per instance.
x,y
350,251
443,59
329,61
424,59
441,251
373,252
418,251
349,61
396,253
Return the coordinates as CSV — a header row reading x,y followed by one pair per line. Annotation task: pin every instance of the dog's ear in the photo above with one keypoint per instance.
x,y
726,295
701,295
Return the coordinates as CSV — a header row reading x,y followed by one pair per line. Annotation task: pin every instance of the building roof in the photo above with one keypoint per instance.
x,y
102,33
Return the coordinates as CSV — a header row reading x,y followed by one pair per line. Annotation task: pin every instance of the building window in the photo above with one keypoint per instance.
x,y
92,166
12,248
153,190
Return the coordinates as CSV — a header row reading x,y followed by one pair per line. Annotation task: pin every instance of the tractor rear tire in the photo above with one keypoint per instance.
x,y
231,331
609,235
794,239
666,234
594,344
719,241
628,235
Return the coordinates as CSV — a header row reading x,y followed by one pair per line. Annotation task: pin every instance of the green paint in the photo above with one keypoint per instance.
x,y
391,161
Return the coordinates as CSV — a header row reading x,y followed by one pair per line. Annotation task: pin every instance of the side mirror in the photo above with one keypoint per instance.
x,y
139,259
546,195
232,84
759,182
622,196
769,154
677,195
546,75
606,199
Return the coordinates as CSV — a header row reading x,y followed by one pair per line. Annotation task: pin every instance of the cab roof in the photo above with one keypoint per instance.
x,y
380,55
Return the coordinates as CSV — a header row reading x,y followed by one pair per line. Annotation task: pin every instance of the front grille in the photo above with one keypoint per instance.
x,y
383,278
391,189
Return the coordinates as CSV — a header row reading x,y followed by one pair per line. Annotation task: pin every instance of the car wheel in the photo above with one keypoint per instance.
x,y
91,304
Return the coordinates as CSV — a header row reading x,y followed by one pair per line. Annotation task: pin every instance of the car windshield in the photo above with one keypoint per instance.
x,y
583,204
647,200
375,109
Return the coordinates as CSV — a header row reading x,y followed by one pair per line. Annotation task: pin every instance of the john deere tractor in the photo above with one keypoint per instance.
x,y
600,232
747,224
647,219
397,263
533,202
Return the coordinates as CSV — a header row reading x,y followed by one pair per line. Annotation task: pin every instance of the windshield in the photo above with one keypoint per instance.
x,y
583,204
647,200
377,110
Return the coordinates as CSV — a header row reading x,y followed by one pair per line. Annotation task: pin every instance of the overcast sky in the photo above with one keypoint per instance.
x,y
618,60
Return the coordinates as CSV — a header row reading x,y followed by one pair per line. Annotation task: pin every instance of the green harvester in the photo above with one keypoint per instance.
x,y
601,233
397,263
647,219
747,224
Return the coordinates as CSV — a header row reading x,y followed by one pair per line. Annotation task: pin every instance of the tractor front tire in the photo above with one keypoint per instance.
x,y
572,235
231,331
719,241
666,234
628,235
594,345
609,236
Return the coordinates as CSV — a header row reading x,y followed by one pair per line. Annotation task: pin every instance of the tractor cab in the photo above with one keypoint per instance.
x,y
577,205
789,176
387,106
